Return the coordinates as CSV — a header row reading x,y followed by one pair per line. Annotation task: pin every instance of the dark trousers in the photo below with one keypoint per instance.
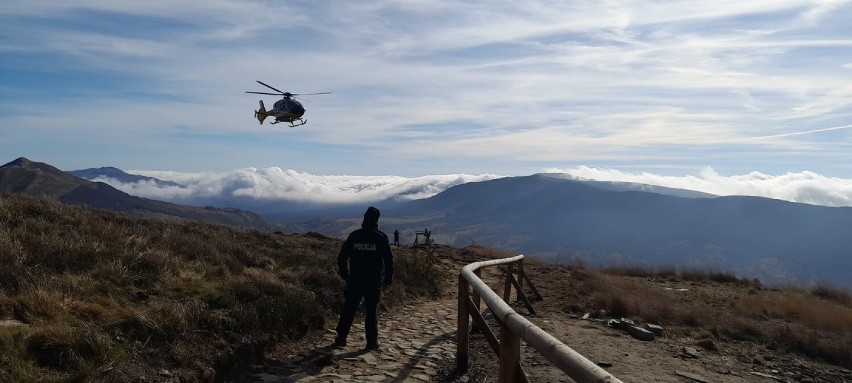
x,y
352,299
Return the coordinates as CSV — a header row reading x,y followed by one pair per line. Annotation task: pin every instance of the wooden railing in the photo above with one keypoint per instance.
x,y
513,327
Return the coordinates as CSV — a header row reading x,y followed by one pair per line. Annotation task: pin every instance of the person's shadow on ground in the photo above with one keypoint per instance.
x,y
312,362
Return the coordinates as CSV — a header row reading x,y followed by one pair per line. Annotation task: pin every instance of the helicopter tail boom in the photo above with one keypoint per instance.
x,y
261,113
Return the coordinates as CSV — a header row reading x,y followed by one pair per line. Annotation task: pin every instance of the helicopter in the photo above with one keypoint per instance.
x,y
286,109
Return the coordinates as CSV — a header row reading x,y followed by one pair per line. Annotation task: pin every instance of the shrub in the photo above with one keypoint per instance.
x,y
68,348
832,293
418,272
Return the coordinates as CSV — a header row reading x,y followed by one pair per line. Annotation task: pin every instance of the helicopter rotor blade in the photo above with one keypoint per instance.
x,y
261,83
272,94
308,94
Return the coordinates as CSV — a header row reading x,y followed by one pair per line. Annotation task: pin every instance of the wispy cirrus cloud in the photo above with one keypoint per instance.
x,y
431,87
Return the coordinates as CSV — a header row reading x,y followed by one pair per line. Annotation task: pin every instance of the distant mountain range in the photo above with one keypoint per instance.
x,y
602,223
562,219
550,216
118,174
41,180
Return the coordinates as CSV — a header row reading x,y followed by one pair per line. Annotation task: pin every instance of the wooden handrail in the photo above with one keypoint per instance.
x,y
515,327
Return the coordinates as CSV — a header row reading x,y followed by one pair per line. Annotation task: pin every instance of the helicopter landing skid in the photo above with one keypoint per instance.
x,y
292,124
301,122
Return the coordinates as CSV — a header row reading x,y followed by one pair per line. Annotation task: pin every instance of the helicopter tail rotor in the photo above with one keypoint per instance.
x,y
261,113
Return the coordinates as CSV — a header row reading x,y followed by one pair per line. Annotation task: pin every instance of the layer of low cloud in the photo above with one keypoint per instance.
x,y
803,187
275,184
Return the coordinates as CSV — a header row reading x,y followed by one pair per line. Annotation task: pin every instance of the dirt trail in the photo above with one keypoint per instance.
x,y
418,345
415,342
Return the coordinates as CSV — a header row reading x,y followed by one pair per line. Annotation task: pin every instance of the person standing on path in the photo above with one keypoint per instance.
x,y
396,237
362,258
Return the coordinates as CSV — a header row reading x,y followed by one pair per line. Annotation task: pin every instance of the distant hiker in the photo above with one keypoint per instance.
x,y
396,237
428,234
363,257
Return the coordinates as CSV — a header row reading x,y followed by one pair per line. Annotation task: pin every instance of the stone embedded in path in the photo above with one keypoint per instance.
x,y
370,359
654,328
334,376
692,376
691,352
268,378
640,333
12,323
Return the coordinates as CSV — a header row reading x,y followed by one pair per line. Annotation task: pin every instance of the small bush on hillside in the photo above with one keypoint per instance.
x,y
68,348
832,293
672,273
642,271
477,252
417,273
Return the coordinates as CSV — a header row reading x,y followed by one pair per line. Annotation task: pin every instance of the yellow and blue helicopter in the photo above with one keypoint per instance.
x,y
286,109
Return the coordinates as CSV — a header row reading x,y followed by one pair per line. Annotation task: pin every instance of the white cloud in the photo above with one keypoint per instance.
x,y
821,9
276,184
803,187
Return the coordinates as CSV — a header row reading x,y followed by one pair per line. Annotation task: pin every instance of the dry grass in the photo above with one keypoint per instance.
x,y
108,298
815,323
832,293
684,274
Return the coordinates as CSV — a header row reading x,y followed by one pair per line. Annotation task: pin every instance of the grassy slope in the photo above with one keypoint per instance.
x,y
713,307
105,297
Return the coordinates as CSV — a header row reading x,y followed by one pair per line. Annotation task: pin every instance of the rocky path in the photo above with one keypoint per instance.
x,y
418,345
414,341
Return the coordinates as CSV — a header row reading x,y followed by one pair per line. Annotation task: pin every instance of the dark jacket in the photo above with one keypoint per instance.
x,y
364,255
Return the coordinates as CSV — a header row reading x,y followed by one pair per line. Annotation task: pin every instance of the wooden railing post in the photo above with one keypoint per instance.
x,y
462,333
507,289
476,299
510,355
520,277
475,294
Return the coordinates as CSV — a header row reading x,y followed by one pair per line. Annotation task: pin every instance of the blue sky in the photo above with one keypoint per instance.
x,y
644,89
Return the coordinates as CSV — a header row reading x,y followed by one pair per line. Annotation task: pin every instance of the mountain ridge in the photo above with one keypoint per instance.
x,y
37,179
568,220
118,174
